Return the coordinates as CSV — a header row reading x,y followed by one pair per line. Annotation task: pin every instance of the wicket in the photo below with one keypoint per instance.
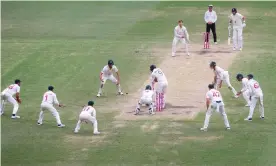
x,y
206,40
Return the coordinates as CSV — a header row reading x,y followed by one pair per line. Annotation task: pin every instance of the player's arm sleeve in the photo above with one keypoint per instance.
x,y
176,34
216,17
205,17
244,86
56,100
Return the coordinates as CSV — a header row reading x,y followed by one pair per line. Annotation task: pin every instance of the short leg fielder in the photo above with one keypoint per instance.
x,y
52,109
112,79
160,95
10,99
254,100
147,102
183,42
86,117
219,107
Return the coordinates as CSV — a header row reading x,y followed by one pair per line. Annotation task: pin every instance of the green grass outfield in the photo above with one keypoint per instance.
x,y
66,44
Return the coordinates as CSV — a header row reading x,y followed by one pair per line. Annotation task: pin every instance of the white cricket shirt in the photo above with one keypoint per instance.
x,y
90,110
180,32
159,75
244,84
210,16
254,88
107,71
147,94
213,95
12,89
50,98
236,20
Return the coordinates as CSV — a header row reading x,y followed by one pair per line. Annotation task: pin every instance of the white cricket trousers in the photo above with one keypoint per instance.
x,y
147,101
52,109
219,107
254,100
226,79
237,37
182,41
86,117
246,97
112,79
8,97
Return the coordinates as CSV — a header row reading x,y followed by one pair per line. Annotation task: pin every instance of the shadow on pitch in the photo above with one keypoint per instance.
x,y
168,105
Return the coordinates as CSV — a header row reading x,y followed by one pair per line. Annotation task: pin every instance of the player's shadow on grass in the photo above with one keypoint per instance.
x,y
208,51
170,106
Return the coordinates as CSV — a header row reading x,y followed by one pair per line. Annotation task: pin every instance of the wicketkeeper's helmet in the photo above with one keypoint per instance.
x,y
148,87
213,64
239,77
110,62
152,67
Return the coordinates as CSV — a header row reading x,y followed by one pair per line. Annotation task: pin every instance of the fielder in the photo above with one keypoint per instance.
x,y
180,35
7,95
88,115
107,74
214,102
256,94
147,98
238,22
48,101
221,75
244,91
158,76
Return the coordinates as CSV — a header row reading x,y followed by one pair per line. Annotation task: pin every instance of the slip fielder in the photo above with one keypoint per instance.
x,y
7,95
180,35
158,77
147,98
214,101
237,21
48,101
88,115
244,91
107,74
256,94
221,75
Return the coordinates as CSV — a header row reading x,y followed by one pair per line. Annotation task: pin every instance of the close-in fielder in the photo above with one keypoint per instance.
x,y
237,21
107,74
244,91
88,115
180,35
48,101
221,75
147,99
158,77
256,94
7,95
214,102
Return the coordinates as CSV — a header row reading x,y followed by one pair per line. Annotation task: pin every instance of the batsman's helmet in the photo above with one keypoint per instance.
x,y
17,81
148,87
250,76
51,88
211,86
239,77
213,64
110,62
91,103
234,10
152,67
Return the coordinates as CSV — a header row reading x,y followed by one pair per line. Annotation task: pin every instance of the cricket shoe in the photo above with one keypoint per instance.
x,y
96,133
98,95
76,131
152,113
61,125
248,119
188,54
240,49
216,43
228,128
262,117
39,124
15,117
173,54
203,129
2,113
247,105
120,93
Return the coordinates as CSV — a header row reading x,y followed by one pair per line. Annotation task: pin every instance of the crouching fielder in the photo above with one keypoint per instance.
x,y
147,98
107,74
214,102
221,75
180,35
244,91
48,101
88,115
158,76
256,94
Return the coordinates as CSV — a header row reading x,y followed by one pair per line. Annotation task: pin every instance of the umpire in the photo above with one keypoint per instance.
x,y
210,18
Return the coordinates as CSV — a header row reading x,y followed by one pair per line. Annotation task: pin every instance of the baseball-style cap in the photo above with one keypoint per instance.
x,y
17,81
210,5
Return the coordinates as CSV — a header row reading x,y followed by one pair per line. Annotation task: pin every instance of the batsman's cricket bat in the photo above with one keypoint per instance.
x,y
229,40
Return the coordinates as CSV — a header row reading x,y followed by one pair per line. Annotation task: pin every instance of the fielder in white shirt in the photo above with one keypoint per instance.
x,y
214,102
210,18
158,76
7,95
238,23
88,115
244,91
221,75
48,101
107,74
180,35
147,98
256,94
